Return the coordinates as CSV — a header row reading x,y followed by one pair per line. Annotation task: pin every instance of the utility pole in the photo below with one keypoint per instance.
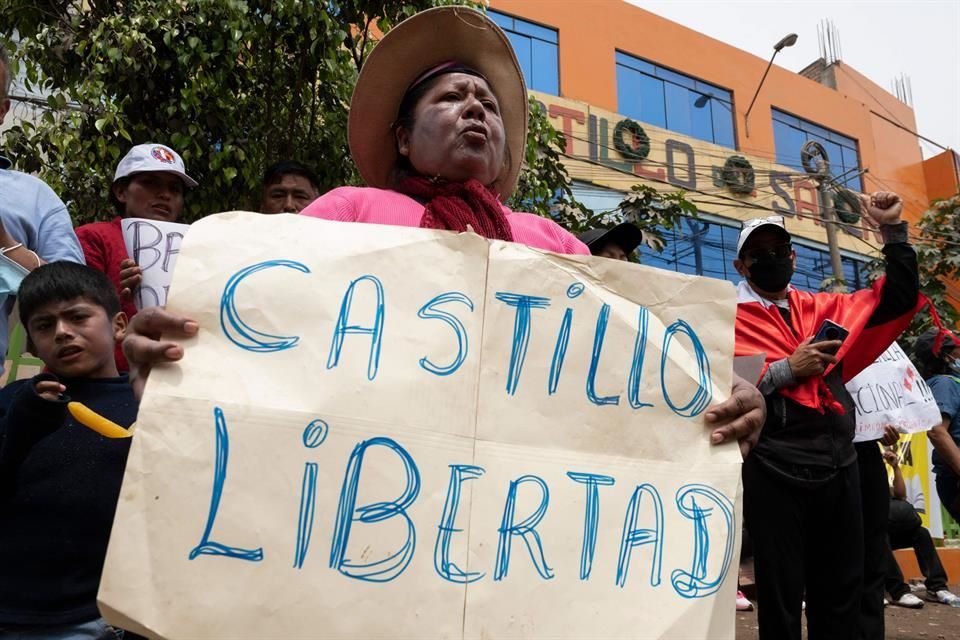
x,y
829,217
816,162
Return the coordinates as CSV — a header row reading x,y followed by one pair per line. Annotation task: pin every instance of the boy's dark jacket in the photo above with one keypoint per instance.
x,y
59,483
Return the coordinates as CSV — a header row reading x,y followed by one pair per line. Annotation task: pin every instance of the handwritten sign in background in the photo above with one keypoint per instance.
x,y
891,391
154,246
391,432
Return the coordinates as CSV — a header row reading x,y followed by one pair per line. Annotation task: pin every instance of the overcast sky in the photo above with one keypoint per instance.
x,y
879,38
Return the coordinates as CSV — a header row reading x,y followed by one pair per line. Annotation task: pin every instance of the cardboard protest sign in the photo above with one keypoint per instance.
x,y
891,391
154,246
384,432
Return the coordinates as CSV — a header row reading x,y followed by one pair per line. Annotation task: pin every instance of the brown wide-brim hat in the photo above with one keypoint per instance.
x,y
419,43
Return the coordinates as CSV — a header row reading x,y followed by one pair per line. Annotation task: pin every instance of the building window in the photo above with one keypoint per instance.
x,y
536,49
706,248
789,135
655,95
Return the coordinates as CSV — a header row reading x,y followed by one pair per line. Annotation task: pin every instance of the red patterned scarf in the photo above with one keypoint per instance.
x,y
454,205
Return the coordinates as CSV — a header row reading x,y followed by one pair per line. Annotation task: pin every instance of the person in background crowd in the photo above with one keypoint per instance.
x,y
906,531
746,552
149,183
437,130
288,187
618,242
938,359
802,482
34,224
59,481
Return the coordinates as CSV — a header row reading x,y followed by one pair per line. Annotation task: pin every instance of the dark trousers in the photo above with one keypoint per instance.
x,y
906,531
805,538
875,500
948,490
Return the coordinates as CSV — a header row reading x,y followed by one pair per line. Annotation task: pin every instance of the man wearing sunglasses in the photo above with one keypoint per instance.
x,y
802,484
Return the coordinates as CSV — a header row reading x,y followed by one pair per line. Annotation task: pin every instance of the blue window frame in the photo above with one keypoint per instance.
x,y
705,248
649,93
537,51
789,135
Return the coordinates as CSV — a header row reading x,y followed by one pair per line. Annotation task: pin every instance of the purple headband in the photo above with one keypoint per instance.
x,y
450,66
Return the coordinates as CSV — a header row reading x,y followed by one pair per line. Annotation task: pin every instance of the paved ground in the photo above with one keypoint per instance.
x,y
933,622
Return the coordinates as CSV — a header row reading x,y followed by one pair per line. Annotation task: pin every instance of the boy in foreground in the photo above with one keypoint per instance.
x,y
59,480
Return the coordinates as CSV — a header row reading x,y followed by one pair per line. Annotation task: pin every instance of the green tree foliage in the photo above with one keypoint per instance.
x,y
936,239
654,211
544,187
232,85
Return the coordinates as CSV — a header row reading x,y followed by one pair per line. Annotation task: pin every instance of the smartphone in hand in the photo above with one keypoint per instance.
x,y
830,330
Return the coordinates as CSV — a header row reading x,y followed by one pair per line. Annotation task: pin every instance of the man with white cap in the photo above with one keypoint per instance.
x,y
802,484
149,182
34,224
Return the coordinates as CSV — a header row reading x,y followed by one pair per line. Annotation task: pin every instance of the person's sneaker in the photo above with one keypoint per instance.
x,y
743,603
909,601
918,587
945,597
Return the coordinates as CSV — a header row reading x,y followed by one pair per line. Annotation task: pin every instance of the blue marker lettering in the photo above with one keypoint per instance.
x,y
591,517
701,399
634,537
563,339
694,583
636,368
459,473
348,512
521,332
602,319
206,546
305,522
375,331
560,351
428,312
238,331
313,436
525,529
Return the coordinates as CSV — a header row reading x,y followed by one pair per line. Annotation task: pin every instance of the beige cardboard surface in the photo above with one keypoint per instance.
x,y
465,482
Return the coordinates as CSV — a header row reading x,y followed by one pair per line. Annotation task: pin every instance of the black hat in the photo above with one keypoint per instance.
x,y
930,361
626,235
924,347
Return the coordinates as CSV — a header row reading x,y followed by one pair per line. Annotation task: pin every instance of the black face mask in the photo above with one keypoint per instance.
x,y
772,274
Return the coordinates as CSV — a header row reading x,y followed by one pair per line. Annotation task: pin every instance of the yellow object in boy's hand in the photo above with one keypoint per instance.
x,y
96,422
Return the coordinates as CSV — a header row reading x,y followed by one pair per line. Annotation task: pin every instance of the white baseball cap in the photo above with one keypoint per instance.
x,y
153,157
757,223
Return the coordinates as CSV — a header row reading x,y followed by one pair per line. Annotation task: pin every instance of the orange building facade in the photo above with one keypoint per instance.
x,y
642,99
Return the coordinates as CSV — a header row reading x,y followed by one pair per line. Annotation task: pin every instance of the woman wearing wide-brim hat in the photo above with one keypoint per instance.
x,y
437,128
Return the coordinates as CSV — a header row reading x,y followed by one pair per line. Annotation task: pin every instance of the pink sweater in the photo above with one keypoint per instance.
x,y
381,206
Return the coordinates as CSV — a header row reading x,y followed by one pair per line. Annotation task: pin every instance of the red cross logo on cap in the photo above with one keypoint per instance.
x,y
163,155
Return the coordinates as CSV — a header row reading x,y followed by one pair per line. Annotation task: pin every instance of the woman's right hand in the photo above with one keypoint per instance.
x,y
143,347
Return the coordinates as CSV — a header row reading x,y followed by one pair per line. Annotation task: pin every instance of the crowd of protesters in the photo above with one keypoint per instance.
x,y
441,143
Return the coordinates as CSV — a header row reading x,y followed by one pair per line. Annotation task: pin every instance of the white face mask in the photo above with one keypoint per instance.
x,y
11,275
954,366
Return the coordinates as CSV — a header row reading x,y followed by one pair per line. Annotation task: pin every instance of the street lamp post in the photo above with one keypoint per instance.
x,y
787,41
